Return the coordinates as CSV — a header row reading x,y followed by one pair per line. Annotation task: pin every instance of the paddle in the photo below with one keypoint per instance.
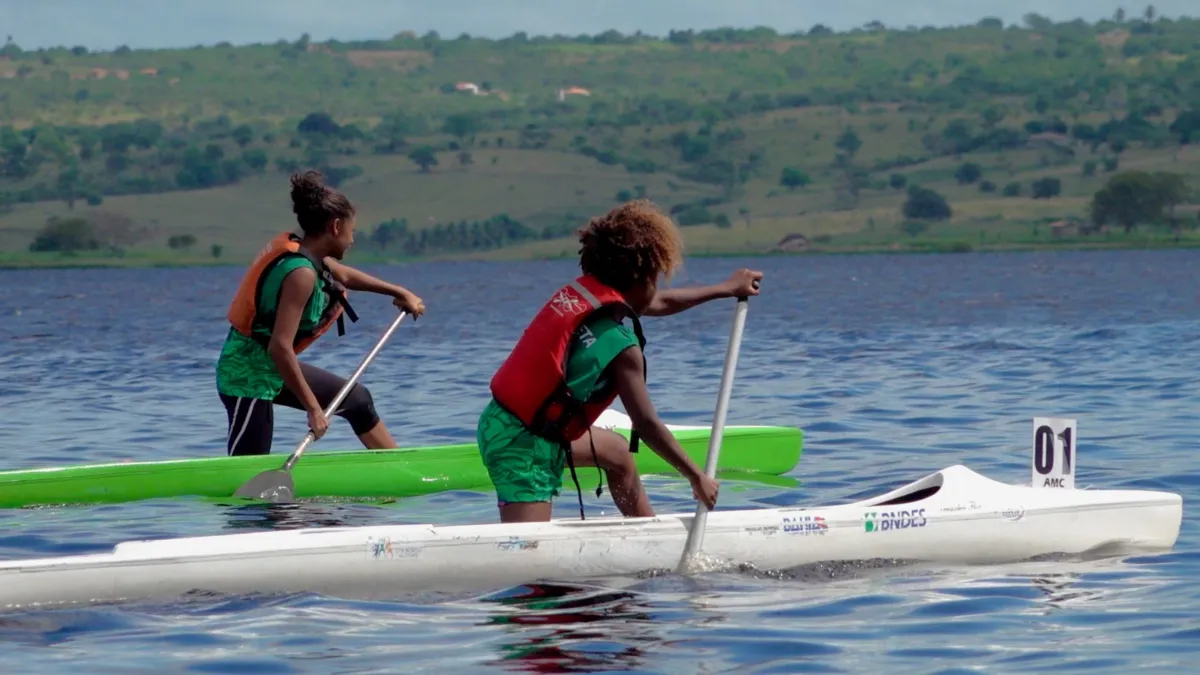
x,y
276,485
696,533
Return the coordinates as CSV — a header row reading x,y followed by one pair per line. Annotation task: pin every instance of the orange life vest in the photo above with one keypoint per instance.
x,y
532,384
245,314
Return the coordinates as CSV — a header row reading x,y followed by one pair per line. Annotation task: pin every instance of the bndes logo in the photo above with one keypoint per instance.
x,y
882,521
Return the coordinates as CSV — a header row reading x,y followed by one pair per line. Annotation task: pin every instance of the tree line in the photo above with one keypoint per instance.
x,y
1127,199
395,236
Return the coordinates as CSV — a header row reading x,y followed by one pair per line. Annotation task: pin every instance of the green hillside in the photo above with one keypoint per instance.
x,y
971,137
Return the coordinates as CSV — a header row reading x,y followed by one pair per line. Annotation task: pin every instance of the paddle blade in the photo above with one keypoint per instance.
x,y
272,486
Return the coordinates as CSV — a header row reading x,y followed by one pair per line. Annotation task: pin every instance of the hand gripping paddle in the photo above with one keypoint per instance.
x,y
276,485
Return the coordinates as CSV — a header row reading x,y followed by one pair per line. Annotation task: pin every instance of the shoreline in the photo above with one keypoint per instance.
x,y
28,262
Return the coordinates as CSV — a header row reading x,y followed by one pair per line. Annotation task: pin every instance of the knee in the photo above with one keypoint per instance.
x,y
621,462
358,408
359,397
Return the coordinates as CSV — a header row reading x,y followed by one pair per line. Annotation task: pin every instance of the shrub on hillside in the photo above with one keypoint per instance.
x,y
65,236
1045,188
925,204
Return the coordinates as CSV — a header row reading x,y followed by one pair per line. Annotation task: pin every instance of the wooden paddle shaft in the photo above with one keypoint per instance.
x,y
345,391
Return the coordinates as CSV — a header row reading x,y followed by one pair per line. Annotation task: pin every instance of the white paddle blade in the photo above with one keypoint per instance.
x,y
274,486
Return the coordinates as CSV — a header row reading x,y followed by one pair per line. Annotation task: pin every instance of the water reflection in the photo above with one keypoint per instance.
x,y
297,515
1060,589
593,629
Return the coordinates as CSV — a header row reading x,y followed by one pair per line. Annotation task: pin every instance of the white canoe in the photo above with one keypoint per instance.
x,y
953,516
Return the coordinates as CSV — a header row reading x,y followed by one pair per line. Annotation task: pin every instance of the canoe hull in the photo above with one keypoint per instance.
x,y
953,516
365,474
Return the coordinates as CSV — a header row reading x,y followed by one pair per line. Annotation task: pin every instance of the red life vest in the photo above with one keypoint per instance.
x,y
532,384
244,312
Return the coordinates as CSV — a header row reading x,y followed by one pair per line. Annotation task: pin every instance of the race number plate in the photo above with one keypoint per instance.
x,y
1053,453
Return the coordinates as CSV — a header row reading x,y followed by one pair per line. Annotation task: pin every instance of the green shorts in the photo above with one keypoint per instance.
x,y
523,467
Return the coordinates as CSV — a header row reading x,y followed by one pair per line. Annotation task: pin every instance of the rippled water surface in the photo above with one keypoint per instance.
x,y
895,366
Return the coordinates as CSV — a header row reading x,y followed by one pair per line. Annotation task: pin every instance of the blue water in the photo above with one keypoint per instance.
x,y
895,366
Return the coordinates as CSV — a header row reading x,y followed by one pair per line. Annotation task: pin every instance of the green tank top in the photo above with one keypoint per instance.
x,y
245,369
593,347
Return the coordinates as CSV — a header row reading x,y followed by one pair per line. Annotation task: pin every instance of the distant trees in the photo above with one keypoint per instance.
x,y
243,135
1047,187
792,178
70,185
925,204
497,231
1187,126
694,214
318,124
849,143
97,230
968,173
181,241
463,125
66,236
393,130
424,157
1134,197
255,159
387,233
532,137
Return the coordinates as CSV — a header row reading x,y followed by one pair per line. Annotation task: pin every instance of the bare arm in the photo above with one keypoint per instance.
x,y
675,300
628,373
296,289
358,280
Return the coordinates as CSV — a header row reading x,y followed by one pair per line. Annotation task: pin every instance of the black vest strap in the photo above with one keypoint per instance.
x,y
333,288
329,285
634,439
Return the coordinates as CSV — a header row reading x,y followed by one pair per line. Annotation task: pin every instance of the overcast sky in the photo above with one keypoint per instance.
x,y
106,24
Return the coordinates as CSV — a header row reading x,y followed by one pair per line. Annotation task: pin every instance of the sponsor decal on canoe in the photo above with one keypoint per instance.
x,y
1014,514
805,525
885,521
383,548
517,544
764,529
955,508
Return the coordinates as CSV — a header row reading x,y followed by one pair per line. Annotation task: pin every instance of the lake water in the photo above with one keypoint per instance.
x,y
894,366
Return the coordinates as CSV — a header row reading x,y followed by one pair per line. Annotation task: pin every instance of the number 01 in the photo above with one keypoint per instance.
x,y
1043,449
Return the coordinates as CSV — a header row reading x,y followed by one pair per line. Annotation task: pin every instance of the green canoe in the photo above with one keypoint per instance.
x,y
746,452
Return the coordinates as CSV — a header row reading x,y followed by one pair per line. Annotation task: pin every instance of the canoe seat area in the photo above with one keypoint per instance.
x,y
913,492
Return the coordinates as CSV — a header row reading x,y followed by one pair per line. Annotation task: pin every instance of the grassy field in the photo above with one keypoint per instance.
x,y
540,187
534,186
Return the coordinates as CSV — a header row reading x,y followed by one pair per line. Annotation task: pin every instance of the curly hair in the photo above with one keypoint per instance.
x,y
630,244
315,204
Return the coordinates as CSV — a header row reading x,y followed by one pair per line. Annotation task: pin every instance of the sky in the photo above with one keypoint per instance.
x,y
107,24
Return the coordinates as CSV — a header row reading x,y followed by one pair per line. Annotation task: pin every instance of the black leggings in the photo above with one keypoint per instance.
x,y
252,421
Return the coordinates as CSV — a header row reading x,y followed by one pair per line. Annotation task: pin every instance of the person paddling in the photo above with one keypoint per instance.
x,y
577,357
292,294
